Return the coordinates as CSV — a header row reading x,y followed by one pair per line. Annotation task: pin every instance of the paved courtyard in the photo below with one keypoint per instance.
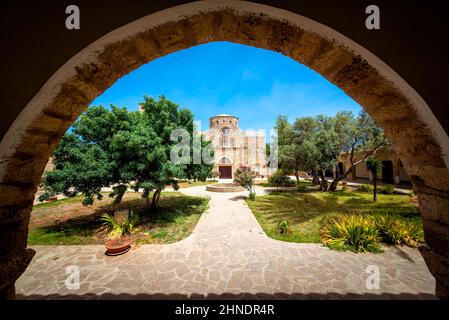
x,y
227,256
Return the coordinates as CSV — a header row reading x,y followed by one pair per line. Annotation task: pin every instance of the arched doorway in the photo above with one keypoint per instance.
x,y
406,118
341,168
225,168
387,171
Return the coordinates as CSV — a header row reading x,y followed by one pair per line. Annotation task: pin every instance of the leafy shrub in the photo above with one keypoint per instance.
x,y
386,189
399,231
283,227
279,179
244,177
120,229
252,195
352,232
365,188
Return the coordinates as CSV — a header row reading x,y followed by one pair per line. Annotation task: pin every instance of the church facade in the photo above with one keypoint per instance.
x,y
234,147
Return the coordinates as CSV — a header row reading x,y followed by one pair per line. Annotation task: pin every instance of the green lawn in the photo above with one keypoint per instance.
x,y
307,212
67,221
265,183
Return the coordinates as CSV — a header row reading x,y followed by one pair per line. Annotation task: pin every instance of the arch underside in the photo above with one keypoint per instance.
x,y
38,129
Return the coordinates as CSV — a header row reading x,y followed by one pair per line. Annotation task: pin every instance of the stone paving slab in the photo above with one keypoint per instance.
x,y
227,256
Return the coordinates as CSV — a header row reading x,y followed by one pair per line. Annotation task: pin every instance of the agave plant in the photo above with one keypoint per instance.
x,y
352,232
120,229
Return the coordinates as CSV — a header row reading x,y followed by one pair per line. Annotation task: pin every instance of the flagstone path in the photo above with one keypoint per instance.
x,y
227,256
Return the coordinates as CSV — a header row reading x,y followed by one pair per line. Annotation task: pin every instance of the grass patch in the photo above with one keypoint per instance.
x,y
265,183
308,212
68,222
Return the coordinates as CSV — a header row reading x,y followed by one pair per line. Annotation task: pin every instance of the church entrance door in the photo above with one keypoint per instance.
x,y
225,172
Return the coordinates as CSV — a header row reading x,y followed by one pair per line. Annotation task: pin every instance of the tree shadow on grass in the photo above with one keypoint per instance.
x,y
170,209
299,208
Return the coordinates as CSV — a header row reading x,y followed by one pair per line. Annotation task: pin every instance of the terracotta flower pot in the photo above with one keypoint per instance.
x,y
115,247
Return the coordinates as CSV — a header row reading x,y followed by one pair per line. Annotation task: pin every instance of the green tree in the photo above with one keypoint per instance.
x,y
115,147
244,176
200,171
152,166
297,150
327,142
360,138
314,144
373,166
83,159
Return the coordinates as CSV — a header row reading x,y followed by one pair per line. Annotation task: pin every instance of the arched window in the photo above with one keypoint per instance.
x,y
226,131
225,160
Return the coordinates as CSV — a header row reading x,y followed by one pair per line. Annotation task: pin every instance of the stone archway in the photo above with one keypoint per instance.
x,y
416,134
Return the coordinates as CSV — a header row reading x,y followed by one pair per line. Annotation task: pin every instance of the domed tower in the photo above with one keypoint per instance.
x,y
233,147
223,129
223,121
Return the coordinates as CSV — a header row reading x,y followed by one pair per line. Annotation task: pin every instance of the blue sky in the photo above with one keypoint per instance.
x,y
253,84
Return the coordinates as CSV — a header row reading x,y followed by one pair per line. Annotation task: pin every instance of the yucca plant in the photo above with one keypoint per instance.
x,y
120,229
392,230
416,234
398,231
352,232
283,227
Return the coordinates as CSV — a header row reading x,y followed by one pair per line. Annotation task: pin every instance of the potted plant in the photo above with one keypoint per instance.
x,y
119,240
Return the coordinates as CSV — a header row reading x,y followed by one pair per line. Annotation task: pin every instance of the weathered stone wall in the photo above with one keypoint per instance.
x,y
361,171
26,150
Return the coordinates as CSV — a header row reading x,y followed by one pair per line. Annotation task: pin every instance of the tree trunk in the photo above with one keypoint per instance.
x,y
375,189
323,184
158,197
147,201
334,183
297,177
340,176
315,179
155,198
